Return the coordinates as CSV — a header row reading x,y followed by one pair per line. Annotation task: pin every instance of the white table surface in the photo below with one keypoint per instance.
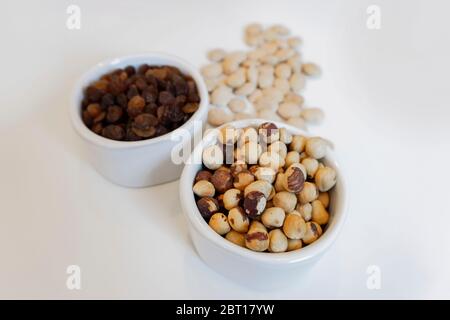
x,y
386,96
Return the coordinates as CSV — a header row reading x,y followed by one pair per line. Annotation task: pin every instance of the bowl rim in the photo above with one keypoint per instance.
x,y
110,64
190,210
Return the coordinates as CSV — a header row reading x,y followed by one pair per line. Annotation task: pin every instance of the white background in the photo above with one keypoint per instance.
x,y
386,95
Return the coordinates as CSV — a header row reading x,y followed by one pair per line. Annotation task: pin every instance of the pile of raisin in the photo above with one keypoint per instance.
x,y
135,104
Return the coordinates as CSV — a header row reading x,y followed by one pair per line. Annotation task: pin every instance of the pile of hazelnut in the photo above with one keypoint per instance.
x,y
265,189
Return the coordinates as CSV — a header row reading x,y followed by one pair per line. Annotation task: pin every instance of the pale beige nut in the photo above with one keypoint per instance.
x,y
319,213
298,143
242,116
278,242
289,110
253,40
264,103
243,179
204,188
256,54
297,82
246,89
268,114
279,182
313,232
283,70
216,55
294,244
294,178
259,185
236,237
253,29
251,152
273,217
311,69
236,105
305,210
312,115
272,194
271,159
285,136
252,75
236,79
294,97
282,85
297,122
232,60
311,165
212,70
221,95
279,30
325,178
278,147
265,79
291,158
231,198
294,42
238,220
309,193
218,116
270,59
294,226
265,173
219,223
324,197
296,63
213,83
212,157
304,155
285,200
269,47
248,134
316,147
273,94
257,238
253,97
284,54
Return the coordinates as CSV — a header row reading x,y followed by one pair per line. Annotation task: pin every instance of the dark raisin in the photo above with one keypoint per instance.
x,y
93,94
130,70
166,98
113,132
132,91
143,68
107,100
114,114
122,100
180,85
144,125
192,92
148,95
135,106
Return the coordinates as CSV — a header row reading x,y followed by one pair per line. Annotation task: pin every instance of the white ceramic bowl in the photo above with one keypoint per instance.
x,y
137,163
243,264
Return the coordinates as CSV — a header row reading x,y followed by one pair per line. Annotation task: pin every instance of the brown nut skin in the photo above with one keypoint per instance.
x,y
294,226
313,232
260,185
237,167
238,220
254,203
269,132
278,241
319,213
203,175
219,223
257,238
204,188
294,178
294,244
222,180
324,197
236,237
243,179
207,207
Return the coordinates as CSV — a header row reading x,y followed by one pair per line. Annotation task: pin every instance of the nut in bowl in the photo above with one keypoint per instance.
x,y
132,112
275,203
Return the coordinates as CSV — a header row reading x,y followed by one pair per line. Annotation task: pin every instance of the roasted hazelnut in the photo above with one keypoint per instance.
x,y
269,132
231,198
250,152
311,165
228,135
294,226
212,157
243,179
285,200
261,186
273,217
294,244
285,136
236,237
238,220
257,238
279,182
207,207
203,175
248,135
309,193
325,178
305,210
319,213
316,147
271,159
204,188
312,233
278,147
324,198
219,223
254,203
272,194
222,180
277,241
237,167
291,158
298,144
294,178
264,173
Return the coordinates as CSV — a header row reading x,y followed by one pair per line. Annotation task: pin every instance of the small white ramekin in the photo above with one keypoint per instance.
x,y
242,264
137,163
